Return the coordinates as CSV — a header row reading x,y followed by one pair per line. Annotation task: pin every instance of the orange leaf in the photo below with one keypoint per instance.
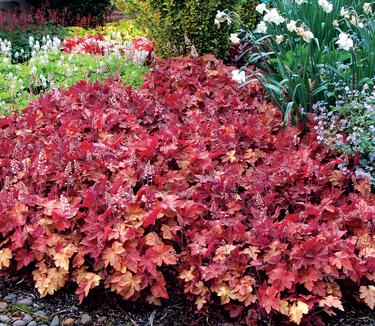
x,y
367,293
5,257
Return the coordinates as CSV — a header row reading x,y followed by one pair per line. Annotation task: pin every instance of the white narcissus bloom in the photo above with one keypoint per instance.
x,y
279,39
308,36
326,6
300,31
344,42
273,16
299,2
335,23
234,38
367,8
261,28
344,13
356,22
292,26
222,17
238,76
261,8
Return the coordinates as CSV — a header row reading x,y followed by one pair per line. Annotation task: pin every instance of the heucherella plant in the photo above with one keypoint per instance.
x,y
298,46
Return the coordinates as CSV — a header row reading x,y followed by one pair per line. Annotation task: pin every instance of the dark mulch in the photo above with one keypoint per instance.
x,y
103,305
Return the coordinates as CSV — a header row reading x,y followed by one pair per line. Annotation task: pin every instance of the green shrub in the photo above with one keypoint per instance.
x,y
181,27
126,28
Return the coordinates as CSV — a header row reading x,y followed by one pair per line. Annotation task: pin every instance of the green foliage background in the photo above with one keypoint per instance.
x,y
175,25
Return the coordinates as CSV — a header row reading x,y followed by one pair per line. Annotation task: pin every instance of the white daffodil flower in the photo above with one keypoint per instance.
x,y
308,36
261,28
273,16
344,13
326,6
234,38
344,42
292,26
238,76
261,8
279,39
367,8
222,17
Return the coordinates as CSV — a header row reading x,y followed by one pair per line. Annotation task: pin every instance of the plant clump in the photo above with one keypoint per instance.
x,y
187,183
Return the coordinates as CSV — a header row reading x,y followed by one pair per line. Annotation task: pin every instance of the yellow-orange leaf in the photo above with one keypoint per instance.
x,y
62,258
112,256
57,279
297,310
284,307
87,281
367,293
5,257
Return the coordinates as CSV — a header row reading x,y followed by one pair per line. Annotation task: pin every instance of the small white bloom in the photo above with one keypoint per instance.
x,y
335,23
222,17
299,2
292,26
261,28
261,8
326,6
300,31
273,16
367,8
344,42
238,76
308,36
234,38
344,13
354,20
33,70
279,39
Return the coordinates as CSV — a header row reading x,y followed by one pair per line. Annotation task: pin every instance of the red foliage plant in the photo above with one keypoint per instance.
x,y
188,177
97,45
24,19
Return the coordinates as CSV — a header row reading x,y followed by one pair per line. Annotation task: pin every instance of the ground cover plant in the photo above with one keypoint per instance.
x,y
20,83
188,178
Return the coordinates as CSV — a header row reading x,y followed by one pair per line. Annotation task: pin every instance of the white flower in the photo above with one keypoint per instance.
x,y
31,41
300,31
299,2
222,17
326,6
261,8
344,42
356,22
234,38
308,36
367,8
273,16
344,13
335,23
292,26
261,28
279,39
33,70
238,76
